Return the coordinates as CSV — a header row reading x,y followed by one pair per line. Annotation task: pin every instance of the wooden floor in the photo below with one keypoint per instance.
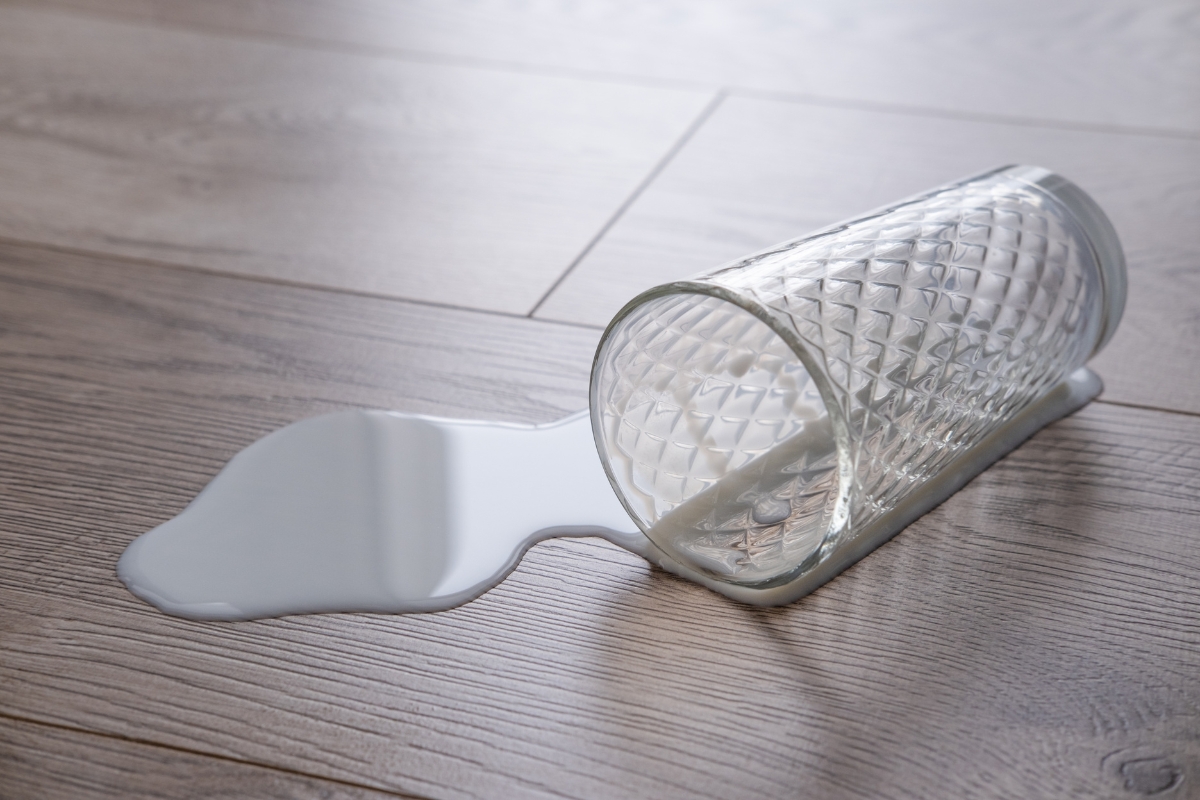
x,y
218,218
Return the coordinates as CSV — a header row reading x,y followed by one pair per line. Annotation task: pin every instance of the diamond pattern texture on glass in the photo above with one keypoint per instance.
x,y
699,389
931,324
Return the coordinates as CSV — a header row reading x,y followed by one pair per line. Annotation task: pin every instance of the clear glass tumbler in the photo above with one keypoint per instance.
x,y
755,419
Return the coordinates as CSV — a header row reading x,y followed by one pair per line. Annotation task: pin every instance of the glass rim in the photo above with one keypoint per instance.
x,y
839,522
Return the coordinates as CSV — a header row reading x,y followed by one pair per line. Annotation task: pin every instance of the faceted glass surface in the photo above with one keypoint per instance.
x,y
924,327
705,402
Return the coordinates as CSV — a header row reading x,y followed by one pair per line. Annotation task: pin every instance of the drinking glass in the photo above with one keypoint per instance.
x,y
801,402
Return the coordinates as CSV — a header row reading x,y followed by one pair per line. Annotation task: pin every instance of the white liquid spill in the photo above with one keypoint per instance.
x,y
760,520
388,512
375,511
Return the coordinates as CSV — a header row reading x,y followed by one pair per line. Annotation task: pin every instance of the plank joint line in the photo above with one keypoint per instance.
x,y
201,754
704,115
405,54
154,263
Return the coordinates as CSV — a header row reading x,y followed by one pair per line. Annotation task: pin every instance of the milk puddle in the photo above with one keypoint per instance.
x,y
375,511
389,512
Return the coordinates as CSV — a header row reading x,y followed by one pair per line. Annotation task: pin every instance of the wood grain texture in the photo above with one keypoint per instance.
x,y
1115,62
1036,636
39,762
760,172
436,182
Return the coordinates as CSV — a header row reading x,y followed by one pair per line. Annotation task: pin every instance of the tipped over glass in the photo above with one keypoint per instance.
x,y
755,419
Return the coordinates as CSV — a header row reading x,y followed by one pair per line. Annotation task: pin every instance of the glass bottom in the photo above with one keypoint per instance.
x,y
716,437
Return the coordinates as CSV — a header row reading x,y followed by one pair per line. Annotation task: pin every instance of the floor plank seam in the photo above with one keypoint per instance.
x,y
615,78
153,263
200,753
965,116
687,135
1143,407
381,51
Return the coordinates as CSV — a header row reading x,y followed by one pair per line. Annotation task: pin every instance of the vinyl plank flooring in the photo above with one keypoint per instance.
x,y
190,353
1035,636
435,182
190,344
760,172
39,762
1119,62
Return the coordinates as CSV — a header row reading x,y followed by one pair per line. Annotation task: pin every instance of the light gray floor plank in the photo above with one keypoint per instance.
x,y
39,762
1035,636
761,171
179,347
443,183
1118,62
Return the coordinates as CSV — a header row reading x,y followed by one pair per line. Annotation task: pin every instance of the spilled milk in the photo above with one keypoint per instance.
x,y
388,512
375,511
